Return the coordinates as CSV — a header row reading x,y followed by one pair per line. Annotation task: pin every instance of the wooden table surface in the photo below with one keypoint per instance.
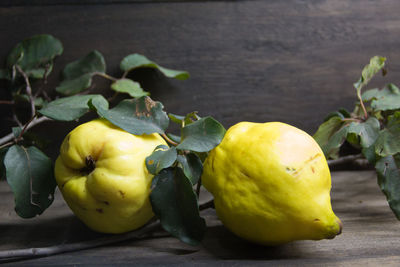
x,y
371,236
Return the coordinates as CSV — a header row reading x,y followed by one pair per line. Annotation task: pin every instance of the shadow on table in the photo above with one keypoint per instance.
x,y
39,232
224,245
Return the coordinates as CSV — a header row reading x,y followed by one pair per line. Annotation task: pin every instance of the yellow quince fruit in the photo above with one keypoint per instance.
x,y
102,176
271,184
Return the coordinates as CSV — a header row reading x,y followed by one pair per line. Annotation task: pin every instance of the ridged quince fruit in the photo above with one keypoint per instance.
x,y
102,176
271,184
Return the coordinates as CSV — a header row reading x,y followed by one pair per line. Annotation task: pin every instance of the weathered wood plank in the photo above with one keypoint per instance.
x,y
370,235
292,61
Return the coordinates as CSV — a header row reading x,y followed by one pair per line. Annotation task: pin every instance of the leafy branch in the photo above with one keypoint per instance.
x,y
29,172
373,128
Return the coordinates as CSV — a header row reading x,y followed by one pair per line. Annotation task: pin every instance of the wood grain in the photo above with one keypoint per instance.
x,y
371,236
292,61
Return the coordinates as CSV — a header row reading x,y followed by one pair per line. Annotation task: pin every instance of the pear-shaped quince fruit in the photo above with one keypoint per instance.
x,y
102,176
271,184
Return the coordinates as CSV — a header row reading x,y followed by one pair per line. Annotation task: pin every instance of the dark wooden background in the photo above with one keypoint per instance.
x,y
292,61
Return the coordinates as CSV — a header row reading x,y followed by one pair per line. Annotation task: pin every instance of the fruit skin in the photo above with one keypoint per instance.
x,y
271,184
102,176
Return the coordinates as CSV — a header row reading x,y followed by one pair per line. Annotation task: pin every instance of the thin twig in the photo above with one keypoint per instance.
x,y
105,75
6,102
27,126
44,82
15,118
62,248
28,90
352,119
6,144
113,97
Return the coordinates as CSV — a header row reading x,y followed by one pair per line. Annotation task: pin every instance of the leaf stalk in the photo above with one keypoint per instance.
x,y
169,140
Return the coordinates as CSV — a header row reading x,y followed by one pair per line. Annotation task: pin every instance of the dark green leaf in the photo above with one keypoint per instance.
x,y
70,87
72,107
39,102
341,113
325,133
192,166
388,142
367,131
162,157
376,63
370,94
175,203
135,61
35,55
137,116
30,175
389,181
16,131
332,134
202,135
386,99
128,86
331,148
77,75
369,154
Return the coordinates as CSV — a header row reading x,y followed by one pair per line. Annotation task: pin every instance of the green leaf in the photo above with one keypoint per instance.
x,y
30,175
77,75
376,63
332,147
178,119
39,102
369,154
388,142
137,116
332,134
370,94
135,61
128,86
16,131
192,166
184,120
389,181
386,99
341,113
325,132
162,157
175,203
202,135
33,54
72,107
367,131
